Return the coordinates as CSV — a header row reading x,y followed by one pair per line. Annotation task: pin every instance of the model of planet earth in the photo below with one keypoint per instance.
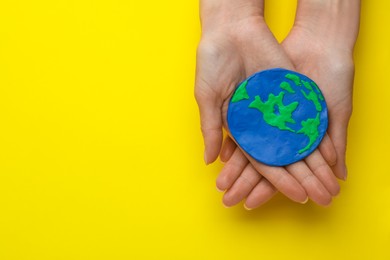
x,y
278,116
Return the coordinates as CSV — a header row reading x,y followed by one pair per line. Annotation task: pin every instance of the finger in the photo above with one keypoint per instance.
x,y
242,186
323,172
227,149
260,194
211,121
314,188
232,170
281,179
338,135
328,151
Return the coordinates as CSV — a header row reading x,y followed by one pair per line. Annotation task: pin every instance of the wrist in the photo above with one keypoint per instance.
x,y
333,22
225,14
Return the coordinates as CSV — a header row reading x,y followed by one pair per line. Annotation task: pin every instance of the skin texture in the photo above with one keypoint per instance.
x,y
236,43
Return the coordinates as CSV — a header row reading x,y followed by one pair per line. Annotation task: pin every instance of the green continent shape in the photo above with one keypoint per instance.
x,y
310,129
268,109
284,85
240,93
310,87
307,85
312,96
294,78
321,97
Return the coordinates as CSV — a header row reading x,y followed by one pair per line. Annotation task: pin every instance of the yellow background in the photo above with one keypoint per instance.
x,y
101,156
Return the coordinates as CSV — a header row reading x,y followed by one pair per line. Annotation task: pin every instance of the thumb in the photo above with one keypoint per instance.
x,y
211,121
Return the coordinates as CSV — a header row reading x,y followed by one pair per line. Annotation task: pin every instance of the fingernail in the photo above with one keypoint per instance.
x,y
328,205
247,208
345,173
222,161
219,189
225,206
205,158
306,200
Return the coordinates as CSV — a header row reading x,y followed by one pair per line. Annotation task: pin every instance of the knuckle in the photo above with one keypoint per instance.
x,y
308,178
247,181
279,181
321,169
210,130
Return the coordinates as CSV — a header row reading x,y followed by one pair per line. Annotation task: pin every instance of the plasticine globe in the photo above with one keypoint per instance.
x,y
278,116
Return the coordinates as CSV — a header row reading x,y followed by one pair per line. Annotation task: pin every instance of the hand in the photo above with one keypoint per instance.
x,y
323,51
321,46
226,56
